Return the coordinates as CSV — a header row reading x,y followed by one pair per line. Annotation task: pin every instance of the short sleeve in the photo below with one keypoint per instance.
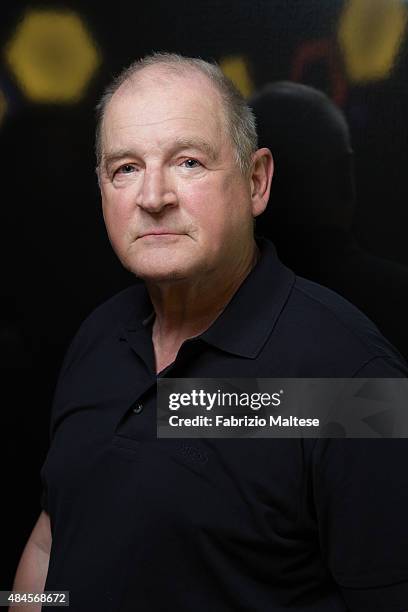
x,y
44,488
389,598
44,500
77,345
361,499
70,355
360,491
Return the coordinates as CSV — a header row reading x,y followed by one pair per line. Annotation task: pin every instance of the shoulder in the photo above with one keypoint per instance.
x,y
107,321
117,310
329,332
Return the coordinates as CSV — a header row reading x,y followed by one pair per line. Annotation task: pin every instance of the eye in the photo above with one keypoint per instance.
x,y
125,169
191,163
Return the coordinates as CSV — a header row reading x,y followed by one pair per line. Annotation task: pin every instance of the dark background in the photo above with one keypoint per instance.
x,y
57,264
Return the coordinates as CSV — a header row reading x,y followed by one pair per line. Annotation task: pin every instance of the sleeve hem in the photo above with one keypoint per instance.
x,y
391,598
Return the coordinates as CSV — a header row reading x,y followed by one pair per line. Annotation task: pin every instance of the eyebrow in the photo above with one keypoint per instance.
x,y
180,143
197,143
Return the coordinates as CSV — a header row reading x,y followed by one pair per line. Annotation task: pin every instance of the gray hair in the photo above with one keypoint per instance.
x,y
240,119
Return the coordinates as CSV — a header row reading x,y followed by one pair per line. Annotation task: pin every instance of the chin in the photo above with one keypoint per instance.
x,y
157,272
161,276
161,264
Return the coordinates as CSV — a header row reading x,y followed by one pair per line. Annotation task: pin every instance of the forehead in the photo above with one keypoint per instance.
x,y
158,105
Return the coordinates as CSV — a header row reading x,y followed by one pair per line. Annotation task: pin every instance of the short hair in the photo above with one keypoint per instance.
x,y
240,119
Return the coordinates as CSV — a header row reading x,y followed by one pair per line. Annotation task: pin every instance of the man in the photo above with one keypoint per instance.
x,y
132,522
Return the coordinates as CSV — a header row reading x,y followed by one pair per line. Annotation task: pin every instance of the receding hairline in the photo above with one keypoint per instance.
x,y
160,70
237,116
159,73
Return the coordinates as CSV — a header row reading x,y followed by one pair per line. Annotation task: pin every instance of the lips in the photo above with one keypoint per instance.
x,y
159,233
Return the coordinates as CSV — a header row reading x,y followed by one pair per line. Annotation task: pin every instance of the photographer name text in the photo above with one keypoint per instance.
x,y
245,421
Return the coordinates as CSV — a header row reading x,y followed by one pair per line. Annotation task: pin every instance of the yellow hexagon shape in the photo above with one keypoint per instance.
x,y
370,35
236,69
52,56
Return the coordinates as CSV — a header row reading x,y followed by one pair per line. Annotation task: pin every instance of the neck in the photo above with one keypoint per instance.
x,y
185,309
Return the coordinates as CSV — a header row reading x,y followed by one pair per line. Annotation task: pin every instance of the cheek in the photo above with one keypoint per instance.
x,y
117,212
212,197
227,206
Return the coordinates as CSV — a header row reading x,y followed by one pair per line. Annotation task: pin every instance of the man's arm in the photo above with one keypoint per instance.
x,y
33,567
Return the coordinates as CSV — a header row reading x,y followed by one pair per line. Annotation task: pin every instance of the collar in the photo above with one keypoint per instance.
x,y
248,319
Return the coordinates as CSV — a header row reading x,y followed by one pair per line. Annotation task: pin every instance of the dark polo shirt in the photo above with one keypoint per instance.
x,y
144,524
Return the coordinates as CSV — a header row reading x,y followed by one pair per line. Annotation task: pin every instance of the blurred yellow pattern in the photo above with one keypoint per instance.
x,y
236,69
370,35
52,56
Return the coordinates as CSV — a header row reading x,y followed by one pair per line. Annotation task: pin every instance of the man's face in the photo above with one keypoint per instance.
x,y
175,204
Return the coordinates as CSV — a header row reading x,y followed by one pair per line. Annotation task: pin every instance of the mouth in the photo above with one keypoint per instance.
x,y
159,233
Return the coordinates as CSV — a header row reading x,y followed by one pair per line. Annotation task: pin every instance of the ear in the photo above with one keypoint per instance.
x,y
261,179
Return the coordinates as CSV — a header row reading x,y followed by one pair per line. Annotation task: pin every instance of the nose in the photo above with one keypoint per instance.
x,y
156,191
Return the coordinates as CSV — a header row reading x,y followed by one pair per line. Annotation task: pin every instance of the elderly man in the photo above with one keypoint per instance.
x,y
132,522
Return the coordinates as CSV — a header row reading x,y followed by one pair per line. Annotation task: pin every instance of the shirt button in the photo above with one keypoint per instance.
x,y
138,409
